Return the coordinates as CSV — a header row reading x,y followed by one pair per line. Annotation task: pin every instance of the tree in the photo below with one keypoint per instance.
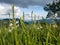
x,y
50,14
54,7
58,5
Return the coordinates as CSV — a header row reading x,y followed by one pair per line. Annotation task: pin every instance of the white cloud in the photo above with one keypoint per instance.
x,y
37,16
5,9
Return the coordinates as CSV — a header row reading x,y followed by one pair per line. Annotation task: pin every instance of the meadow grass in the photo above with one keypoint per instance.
x,y
31,34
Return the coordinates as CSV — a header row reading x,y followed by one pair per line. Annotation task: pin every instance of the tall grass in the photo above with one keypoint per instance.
x,y
34,34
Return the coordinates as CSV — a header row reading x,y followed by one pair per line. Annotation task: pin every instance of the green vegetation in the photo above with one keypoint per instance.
x,y
53,7
33,34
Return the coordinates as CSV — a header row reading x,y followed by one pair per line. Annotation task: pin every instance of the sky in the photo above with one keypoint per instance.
x,y
25,6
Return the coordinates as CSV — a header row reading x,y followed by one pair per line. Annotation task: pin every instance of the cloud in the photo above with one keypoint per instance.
x,y
26,3
6,9
5,6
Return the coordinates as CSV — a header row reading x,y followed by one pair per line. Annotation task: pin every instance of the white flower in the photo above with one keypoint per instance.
x,y
10,30
41,27
11,24
54,25
38,28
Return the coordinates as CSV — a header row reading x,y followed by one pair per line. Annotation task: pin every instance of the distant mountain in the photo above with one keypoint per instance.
x,y
10,19
48,20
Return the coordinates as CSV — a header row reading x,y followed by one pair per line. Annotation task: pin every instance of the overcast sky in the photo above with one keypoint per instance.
x,y
23,6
